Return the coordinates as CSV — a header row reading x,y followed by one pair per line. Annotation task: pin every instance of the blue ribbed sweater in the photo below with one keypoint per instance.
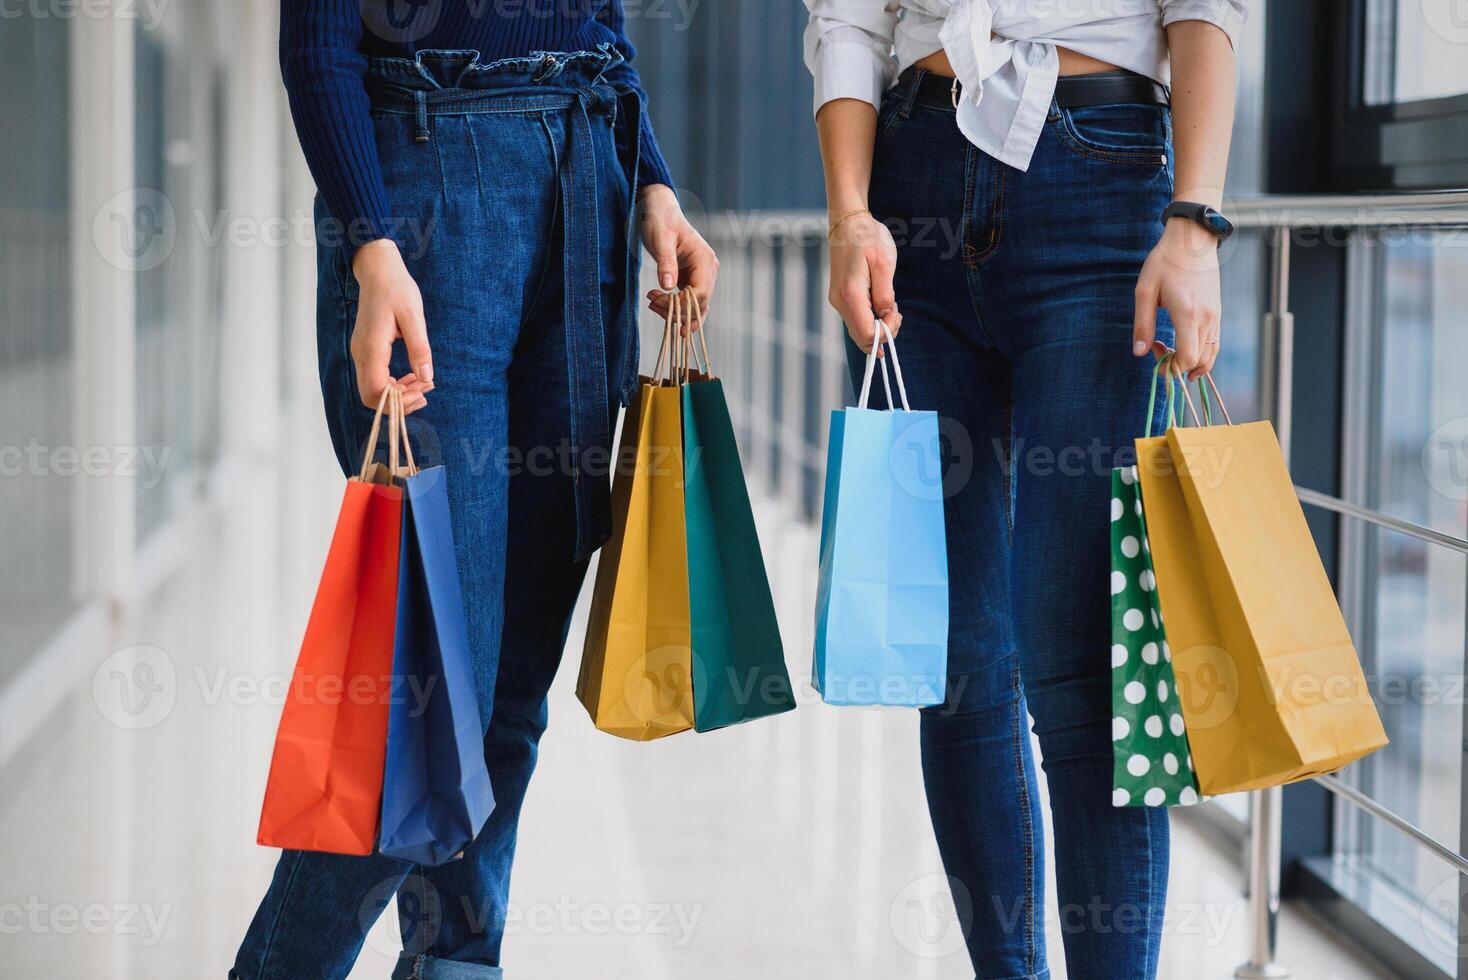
x,y
324,49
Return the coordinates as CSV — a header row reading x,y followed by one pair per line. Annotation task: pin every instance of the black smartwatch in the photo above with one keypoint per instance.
x,y
1201,214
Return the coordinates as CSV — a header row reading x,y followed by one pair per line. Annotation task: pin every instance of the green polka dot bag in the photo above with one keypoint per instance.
x,y
1151,763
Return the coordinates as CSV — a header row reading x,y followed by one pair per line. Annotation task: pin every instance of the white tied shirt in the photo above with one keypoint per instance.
x,y
1003,52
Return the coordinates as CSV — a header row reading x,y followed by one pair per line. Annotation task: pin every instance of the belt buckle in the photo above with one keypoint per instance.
x,y
953,92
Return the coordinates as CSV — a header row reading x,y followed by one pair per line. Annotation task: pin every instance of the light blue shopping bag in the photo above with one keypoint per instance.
x,y
882,601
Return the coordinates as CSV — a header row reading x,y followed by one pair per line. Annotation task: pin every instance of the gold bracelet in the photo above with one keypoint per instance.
x,y
842,217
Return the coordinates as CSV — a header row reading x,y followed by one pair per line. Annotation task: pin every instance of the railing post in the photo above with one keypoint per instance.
x,y
1276,355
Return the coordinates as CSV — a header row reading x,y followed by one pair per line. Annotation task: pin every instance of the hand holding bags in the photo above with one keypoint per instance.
x,y
882,600
1151,762
683,632
1271,688
381,726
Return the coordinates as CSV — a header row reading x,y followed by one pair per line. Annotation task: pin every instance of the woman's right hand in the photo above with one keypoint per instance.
x,y
389,306
863,261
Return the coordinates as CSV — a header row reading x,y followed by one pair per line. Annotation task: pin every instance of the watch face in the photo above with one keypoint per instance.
x,y
1220,225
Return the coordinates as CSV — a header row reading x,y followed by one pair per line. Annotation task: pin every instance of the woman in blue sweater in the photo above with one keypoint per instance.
x,y
485,170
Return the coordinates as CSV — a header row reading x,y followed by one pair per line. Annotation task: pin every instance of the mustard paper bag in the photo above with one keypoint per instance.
x,y
1270,685
635,679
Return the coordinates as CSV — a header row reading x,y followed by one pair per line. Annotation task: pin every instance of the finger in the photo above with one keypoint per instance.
x,y
1185,322
666,257
414,332
856,309
411,381
371,351
893,319
413,402
703,273
1144,317
1209,354
414,389
881,270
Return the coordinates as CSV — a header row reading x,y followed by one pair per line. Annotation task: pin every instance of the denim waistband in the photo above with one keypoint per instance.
x,y
444,82
454,81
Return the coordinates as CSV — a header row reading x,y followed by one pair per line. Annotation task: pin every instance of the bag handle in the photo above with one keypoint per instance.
x,y
1207,402
1173,412
1217,396
676,354
412,466
391,401
371,448
872,359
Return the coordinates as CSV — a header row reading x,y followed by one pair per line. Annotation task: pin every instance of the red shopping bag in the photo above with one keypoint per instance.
x,y
324,792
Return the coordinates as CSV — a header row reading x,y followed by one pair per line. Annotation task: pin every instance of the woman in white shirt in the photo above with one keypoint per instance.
x,y
1008,181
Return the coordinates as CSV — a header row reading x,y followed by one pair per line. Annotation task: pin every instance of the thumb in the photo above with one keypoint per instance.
x,y
1144,319
665,254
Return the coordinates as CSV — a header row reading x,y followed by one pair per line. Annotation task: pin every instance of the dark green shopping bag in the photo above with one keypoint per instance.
x,y
1152,764
738,661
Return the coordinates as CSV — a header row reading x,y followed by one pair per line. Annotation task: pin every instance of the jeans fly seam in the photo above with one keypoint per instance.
x,y
970,259
478,170
529,309
996,218
443,180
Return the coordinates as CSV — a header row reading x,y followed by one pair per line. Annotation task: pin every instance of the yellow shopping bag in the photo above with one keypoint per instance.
x,y
636,680
1269,682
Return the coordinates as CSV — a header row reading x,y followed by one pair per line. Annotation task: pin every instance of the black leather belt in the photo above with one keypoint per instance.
x,y
1071,91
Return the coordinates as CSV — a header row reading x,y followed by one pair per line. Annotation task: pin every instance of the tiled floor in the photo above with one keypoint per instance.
x,y
794,848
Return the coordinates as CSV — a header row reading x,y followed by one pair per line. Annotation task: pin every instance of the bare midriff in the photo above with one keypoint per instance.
x,y
1071,63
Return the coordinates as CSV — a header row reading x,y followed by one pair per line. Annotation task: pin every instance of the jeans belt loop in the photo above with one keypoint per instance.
x,y
420,124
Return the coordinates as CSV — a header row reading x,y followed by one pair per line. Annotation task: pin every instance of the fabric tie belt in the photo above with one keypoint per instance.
x,y
573,83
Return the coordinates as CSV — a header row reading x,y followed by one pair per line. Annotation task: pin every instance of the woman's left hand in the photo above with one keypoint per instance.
x,y
1181,276
683,258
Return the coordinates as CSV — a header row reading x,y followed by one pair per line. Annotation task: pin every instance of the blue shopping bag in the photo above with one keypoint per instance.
x,y
436,793
882,599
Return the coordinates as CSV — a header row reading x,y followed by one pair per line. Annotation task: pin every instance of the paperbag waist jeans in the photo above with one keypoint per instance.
x,y
512,186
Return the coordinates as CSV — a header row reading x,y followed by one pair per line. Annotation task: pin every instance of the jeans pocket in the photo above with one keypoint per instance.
x,y
889,113
1126,133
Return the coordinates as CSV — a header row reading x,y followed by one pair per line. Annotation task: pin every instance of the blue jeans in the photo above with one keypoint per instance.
x,y
512,185
1016,295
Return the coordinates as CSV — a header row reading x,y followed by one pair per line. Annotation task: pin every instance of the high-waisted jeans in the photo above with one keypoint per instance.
x,y
512,185
1016,294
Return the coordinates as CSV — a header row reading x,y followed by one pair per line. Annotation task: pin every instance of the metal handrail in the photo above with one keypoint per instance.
x,y
1326,502
1348,210
1277,214
1353,795
1273,214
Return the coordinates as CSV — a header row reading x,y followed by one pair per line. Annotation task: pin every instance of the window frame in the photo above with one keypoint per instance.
x,y
1412,145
